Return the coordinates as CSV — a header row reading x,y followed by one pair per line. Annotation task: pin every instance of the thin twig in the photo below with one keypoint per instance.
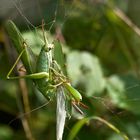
x,y
25,119
126,20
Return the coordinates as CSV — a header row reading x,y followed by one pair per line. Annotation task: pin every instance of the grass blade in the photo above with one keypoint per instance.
x,y
80,123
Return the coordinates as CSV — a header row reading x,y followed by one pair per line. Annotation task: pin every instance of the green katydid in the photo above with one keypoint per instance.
x,y
48,77
42,78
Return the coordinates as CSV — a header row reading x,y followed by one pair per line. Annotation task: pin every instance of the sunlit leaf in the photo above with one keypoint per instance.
x,y
124,92
83,68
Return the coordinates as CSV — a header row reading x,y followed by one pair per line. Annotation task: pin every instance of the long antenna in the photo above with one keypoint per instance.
x,y
44,35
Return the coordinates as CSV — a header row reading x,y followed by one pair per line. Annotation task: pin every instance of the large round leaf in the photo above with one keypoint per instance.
x,y
85,69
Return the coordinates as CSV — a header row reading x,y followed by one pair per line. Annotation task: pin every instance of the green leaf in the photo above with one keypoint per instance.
x,y
85,69
59,56
5,133
77,128
34,39
116,90
18,42
124,92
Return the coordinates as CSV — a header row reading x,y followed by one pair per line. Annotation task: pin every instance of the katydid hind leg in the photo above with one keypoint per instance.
x,y
14,65
30,76
34,76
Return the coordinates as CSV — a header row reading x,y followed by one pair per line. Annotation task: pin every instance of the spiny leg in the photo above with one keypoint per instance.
x,y
14,65
30,76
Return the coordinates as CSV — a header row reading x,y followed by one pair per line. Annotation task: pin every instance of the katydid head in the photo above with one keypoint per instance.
x,y
50,46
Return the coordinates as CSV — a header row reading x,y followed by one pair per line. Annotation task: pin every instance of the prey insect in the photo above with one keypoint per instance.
x,y
48,73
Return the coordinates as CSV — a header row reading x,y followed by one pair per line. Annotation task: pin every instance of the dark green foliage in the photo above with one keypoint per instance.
x,y
102,61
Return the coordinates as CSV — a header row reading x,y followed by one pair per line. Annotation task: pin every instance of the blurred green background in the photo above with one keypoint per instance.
x,y
101,42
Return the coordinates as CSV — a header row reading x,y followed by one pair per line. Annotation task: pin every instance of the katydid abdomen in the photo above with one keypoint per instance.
x,y
43,66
